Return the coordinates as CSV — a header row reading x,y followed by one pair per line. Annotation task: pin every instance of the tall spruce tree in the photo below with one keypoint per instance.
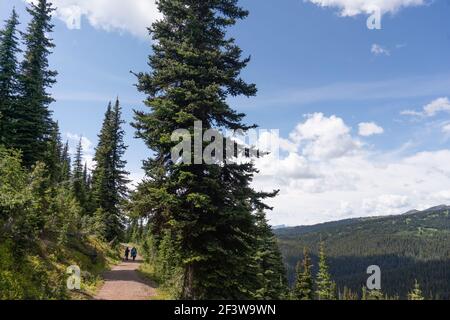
x,y
35,126
270,262
54,156
9,48
78,179
209,208
65,163
101,187
87,180
325,287
119,173
304,285
109,183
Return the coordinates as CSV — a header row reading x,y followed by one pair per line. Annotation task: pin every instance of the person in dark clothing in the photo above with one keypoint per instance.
x,y
127,253
134,253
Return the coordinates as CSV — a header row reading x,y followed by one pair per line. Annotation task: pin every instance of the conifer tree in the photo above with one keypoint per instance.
x,y
102,158
304,285
78,179
54,156
109,185
90,206
416,293
9,48
209,207
119,173
325,287
86,179
65,163
269,262
34,130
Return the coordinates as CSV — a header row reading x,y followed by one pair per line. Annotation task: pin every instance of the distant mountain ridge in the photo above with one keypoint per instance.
x,y
413,245
283,229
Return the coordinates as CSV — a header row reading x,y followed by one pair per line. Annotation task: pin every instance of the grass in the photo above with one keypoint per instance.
x,y
98,258
147,271
41,273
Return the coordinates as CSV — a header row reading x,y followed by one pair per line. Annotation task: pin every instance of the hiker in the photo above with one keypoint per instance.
x,y
134,253
127,253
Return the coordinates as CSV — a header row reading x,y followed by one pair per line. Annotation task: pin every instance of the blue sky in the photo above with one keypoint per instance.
x,y
317,68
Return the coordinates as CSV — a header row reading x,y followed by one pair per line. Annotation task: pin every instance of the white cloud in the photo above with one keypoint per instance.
x,y
446,128
266,139
356,7
433,108
387,204
87,146
323,137
331,175
367,129
436,106
378,50
411,113
133,16
444,194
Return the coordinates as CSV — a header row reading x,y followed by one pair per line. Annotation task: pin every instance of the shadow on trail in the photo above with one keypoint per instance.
x,y
138,261
124,275
128,271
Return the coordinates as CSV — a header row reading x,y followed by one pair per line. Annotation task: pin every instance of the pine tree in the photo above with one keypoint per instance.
x,y
86,179
325,287
78,179
65,163
209,207
54,156
109,177
119,174
102,159
9,48
304,285
90,206
35,127
269,262
416,293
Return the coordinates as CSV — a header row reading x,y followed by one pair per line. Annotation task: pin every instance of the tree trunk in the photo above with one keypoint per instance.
x,y
188,285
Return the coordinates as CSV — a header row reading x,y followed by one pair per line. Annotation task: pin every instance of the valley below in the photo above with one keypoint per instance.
x,y
408,247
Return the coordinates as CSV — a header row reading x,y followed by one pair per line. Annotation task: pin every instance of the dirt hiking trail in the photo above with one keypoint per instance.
x,y
123,282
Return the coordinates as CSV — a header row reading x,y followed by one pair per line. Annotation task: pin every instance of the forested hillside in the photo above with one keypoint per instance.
x,y
408,247
55,211
202,226
195,217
